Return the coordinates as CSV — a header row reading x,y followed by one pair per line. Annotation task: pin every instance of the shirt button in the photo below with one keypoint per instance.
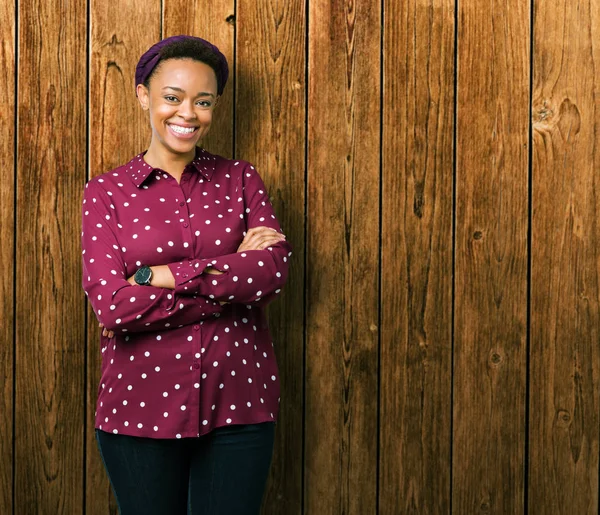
x,y
196,327
196,365
185,224
182,204
184,275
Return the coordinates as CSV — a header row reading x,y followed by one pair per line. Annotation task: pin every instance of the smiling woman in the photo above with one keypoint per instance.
x,y
181,252
180,90
181,101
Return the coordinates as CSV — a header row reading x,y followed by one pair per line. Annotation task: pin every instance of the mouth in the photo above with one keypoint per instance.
x,y
182,132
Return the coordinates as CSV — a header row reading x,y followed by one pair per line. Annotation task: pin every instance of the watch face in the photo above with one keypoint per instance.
x,y
143,275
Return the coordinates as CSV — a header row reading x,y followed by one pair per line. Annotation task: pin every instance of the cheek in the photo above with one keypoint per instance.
x,y
206,118
158,115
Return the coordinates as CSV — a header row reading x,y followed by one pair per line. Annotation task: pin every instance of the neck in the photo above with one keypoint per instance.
x,y
172,163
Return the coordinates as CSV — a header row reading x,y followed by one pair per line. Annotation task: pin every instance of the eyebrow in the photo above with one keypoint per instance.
x,y
201,94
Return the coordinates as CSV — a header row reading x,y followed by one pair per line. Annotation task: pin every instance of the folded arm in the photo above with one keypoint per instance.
x,y
119,305
255,273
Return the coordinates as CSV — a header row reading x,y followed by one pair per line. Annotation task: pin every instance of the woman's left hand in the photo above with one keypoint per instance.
x,y
259,238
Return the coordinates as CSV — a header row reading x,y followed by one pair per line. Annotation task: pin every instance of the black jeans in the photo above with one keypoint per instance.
x,y
221,473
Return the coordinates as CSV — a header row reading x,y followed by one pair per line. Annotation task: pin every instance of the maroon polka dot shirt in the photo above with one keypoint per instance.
x,y
180,364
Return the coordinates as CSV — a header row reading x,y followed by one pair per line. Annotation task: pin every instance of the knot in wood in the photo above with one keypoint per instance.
x,y
495,358
569,120
543,113
563,417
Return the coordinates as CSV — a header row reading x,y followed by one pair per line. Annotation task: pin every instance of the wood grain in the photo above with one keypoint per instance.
x,y
269,132
50,350
213,20
491,258
447,443
416,254
342,257
565,269
7,207
119,129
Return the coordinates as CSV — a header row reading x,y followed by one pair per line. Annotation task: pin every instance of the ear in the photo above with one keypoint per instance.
x,y
143,96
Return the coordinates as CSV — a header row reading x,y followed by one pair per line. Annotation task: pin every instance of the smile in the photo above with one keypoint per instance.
x,y
183,130
182,133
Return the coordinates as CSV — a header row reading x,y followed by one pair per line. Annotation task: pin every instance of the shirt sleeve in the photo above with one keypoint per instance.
x,y
250,277
117,304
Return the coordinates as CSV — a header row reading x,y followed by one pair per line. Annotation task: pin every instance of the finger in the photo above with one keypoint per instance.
x,y
259,236
265,242
252,233
254,237
254,245
261,230
100,324
268,242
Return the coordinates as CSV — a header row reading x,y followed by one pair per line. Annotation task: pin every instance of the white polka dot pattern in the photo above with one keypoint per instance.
x,y
180,364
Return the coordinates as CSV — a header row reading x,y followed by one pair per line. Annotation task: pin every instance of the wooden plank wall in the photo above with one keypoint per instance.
x,y
565,256
49,324
491,222
416,257
435,165
7,214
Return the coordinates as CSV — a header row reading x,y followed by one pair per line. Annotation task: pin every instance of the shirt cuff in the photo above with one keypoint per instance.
x,y
188,274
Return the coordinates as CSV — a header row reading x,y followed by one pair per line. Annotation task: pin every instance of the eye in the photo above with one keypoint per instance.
x,y
204,103
170,98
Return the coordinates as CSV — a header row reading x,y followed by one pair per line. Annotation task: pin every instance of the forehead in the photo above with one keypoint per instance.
x,y
186,74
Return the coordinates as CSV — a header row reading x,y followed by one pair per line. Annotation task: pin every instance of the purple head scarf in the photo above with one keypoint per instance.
x,y
150,59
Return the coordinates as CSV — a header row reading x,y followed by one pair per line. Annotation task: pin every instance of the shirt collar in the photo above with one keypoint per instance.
x,y
139,170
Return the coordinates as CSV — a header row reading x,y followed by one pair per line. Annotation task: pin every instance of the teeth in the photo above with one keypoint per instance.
x,y
183,130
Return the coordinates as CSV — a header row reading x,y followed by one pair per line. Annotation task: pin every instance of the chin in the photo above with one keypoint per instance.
x,y
180,147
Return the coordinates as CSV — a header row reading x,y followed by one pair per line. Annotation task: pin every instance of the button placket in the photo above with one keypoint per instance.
x,y
197,349
186,224
197,366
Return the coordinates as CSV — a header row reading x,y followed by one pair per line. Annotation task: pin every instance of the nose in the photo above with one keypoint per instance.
x,y
186,111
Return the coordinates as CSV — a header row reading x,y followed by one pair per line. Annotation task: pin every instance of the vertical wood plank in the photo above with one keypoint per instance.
x,y
7,207
491,257
416,285
343,257
269,131
565,270
213,20
119,129
49,307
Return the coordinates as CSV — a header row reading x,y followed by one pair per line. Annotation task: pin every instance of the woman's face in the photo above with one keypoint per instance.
x,y
181,98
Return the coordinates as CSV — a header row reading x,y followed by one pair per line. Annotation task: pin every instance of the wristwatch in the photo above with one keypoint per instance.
x,y
143,276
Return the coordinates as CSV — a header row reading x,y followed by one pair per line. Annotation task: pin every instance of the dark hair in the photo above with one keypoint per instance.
x,y
190,49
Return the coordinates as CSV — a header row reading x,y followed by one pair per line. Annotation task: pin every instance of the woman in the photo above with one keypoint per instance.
x,y
181,252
